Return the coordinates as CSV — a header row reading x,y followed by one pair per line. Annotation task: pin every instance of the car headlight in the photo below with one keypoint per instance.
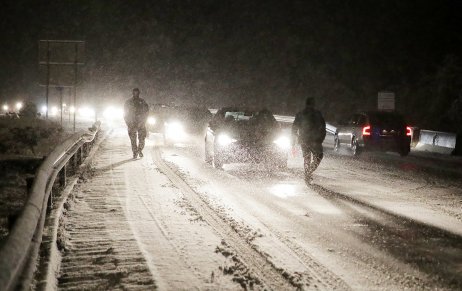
x,y
113,113
224,139
283,142
151,120
174,130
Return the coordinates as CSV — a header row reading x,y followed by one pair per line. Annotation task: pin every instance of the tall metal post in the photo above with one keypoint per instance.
x,y
60,89
75,80
48,77
69,102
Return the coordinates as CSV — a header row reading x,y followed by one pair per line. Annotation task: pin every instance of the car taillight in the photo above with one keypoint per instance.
x,y
408,131
367,130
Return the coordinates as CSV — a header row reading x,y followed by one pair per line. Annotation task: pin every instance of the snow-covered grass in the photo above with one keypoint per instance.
x,y
29,136
21,141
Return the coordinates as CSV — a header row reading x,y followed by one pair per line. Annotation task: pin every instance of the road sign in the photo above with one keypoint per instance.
x,y
386,101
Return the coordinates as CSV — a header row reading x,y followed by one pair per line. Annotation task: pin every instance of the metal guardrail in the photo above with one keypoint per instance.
x,y
19,252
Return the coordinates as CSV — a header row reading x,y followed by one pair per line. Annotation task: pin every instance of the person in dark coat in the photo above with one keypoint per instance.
x,y
136,112
309,128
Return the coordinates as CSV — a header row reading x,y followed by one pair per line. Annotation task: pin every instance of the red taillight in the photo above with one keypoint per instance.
x,y
367,130
408,131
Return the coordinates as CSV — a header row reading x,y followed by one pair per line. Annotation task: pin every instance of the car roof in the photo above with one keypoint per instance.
x,y
244,109
382,113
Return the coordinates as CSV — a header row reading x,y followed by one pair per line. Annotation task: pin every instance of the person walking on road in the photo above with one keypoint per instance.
x,y
309,128
136,112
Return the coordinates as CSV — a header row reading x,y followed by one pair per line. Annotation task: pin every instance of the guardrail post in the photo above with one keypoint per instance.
x,y
75,161
63,176
85,150
29,183
11,220
50,202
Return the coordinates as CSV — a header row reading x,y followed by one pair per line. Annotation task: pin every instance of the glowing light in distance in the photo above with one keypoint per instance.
x,y
44,108
86,112
54,110
19,105
5,107
112,113
151,120
174,131
72,109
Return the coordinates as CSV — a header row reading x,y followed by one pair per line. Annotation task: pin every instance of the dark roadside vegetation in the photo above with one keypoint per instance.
x,y
24,140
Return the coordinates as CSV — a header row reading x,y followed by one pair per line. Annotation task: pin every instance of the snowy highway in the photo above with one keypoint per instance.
x,y
169,221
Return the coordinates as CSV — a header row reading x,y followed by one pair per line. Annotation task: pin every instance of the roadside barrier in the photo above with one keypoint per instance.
x,y
19,252
437,141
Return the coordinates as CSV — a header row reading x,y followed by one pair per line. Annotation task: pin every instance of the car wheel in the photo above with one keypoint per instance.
x,y
336,144
404,151
216,160
355,147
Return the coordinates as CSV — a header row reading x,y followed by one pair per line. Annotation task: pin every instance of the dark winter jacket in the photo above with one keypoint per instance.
x,y
136,112
309,126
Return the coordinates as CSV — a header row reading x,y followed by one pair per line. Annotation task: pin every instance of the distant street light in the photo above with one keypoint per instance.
x,y
54,111
5,107
44,108
19,105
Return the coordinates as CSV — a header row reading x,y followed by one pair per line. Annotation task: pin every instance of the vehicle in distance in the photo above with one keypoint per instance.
x,y
242,135
375,130
175,122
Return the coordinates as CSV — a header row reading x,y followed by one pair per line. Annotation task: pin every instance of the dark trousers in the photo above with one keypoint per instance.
x,y
133,132
312,156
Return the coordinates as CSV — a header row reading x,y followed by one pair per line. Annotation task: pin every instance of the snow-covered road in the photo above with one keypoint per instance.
x,y
379,222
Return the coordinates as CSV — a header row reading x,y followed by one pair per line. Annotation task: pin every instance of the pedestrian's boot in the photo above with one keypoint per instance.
x,y
139,150
308,178
135,155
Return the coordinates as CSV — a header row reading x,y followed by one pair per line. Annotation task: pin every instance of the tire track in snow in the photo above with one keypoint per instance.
x,y
257,262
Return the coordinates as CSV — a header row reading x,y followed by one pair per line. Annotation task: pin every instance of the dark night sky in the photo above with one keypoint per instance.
x,y
270,52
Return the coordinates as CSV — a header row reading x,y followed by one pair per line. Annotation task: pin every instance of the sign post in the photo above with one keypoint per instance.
x,y
61,59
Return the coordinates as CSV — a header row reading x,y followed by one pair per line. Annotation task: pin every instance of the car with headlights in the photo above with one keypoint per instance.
x,y
175,123
244,135
375,131
156,117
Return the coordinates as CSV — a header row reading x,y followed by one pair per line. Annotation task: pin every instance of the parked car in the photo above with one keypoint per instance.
x,y
375,130
244,135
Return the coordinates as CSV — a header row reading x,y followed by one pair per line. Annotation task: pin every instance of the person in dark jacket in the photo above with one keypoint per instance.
x,y
136,112
309,128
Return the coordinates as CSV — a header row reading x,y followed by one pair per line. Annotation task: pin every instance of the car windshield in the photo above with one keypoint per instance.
x,y
238,115
386,119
